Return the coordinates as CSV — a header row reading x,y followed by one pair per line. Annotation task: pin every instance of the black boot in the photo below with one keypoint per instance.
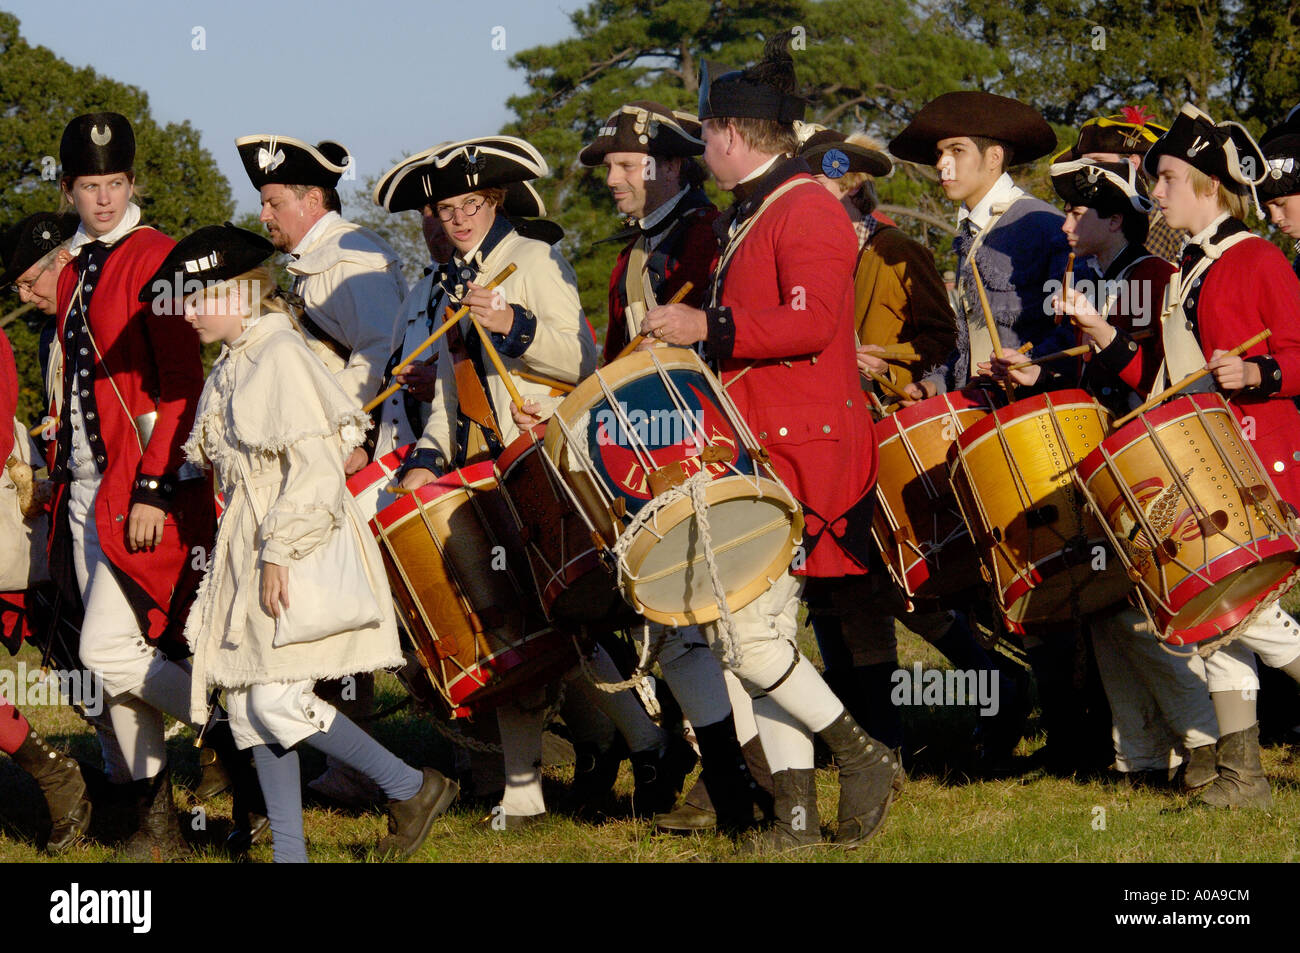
x,y
248,820
64,789
797,823
1241,781
867,774
410,821
157,837
658,777
594,774
731,788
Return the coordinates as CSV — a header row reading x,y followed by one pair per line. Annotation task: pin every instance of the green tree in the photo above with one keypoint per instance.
x,y
179,186
860,64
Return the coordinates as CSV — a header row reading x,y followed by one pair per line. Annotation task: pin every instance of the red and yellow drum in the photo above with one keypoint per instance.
x,y
1044,551
1194,516
453,562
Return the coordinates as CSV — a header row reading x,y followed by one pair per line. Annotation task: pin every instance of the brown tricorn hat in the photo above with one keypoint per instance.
x,y
974,113
645,126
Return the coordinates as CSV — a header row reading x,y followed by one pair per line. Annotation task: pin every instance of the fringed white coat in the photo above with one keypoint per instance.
x,y
270,401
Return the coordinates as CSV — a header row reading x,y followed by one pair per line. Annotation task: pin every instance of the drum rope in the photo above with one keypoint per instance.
x,y
649,653
693,489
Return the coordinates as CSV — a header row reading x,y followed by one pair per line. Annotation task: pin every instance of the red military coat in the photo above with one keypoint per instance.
x,y
1250,288
782,333
154,365
687,253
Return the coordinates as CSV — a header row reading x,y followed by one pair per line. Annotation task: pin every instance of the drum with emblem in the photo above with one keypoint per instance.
x,y
1044,551
464,593
668,473
1194,516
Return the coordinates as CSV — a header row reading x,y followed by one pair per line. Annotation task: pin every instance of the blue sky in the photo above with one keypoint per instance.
x,y
384,77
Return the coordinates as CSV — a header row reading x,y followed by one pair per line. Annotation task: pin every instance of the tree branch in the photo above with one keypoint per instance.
x,y
939,223
594,71
15,313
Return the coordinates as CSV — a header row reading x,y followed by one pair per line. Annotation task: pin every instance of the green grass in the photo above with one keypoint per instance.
x,y
942,815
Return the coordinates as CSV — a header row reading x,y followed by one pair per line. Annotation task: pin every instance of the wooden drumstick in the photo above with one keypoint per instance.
x,y
447,325
889,385
1191,379
990,323
1067,283
682,292
490,349
549,382
1076,351
902,353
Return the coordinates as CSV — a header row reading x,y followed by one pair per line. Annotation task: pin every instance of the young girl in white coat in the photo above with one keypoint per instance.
x,y
276,428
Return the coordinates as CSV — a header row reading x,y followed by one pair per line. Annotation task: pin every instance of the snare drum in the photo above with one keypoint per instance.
x,y
567,555
476,627
917,524
1194,516
1044,551
643,425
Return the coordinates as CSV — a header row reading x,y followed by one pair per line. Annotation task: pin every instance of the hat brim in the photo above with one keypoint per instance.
x,y
974,114
852,158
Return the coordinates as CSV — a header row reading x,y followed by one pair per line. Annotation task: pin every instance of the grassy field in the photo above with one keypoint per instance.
x,y
942,815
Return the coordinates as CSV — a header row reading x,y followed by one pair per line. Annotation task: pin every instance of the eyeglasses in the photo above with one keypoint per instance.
x,y
18,287
470,209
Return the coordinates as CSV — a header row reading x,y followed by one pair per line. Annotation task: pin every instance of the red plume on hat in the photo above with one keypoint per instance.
x,y
1137,115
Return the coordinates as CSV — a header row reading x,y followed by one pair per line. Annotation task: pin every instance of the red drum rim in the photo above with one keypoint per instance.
x,y
519,448
479,476
1156,418
928,409
1050,400
374,471
1219,570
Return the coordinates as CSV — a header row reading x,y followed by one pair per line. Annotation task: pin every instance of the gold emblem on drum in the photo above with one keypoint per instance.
x,y
1162,515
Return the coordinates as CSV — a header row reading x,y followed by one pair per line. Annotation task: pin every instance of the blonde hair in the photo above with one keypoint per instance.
x,y
264,298
1235,204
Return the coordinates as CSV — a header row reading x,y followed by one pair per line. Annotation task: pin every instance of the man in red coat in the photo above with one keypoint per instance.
x,y
1230,285
129,535
779,328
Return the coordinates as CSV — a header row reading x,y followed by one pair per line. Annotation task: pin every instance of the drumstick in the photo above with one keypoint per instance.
x,y
447,325
1067,282
1190,379
903,353
889,385
554,384
989,322
682,292
1076,351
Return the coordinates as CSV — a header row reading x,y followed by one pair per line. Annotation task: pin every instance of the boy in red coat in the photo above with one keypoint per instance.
x,y
1230,285
129,536
779,328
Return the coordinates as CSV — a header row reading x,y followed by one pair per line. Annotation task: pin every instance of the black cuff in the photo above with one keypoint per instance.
x,y
721,335
155,490
426,458
1117,355
1270,376
521,333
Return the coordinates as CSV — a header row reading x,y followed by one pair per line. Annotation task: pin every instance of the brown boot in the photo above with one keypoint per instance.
x,y
63,786
410,821
1200,768
797,822
1241,781
868,770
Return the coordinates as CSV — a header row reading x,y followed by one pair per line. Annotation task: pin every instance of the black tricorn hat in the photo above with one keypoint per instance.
x,y
408,186
1224,150
1111,188
974,113
97,144
648,127
830,153
1130,133
26,243
283,160
208,255
765,90
1281,146
455,168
